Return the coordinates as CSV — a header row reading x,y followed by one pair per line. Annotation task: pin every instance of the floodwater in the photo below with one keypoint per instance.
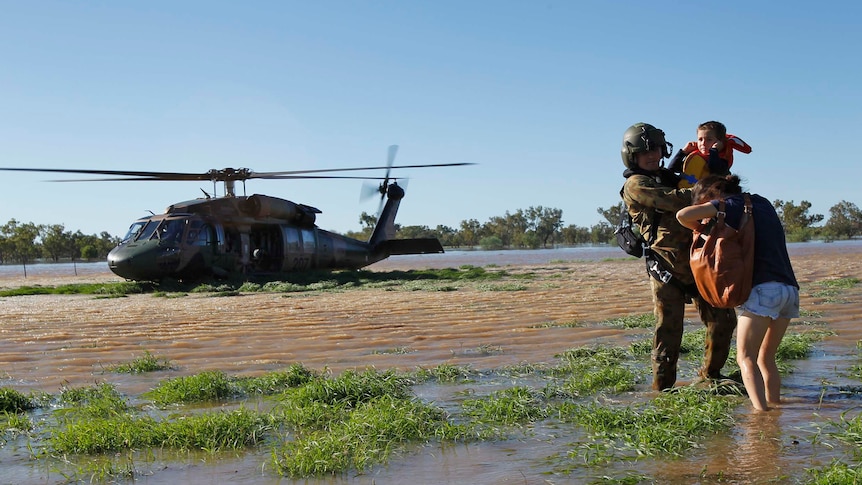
x,y
54,341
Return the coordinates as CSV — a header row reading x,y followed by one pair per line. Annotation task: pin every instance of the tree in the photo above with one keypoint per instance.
x,y
795,217
845,221
546,223
613,213
409,232
57,242
19,243
573,234
471,231
448,236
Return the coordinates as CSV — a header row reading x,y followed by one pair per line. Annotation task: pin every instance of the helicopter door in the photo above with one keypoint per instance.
x,y
299,248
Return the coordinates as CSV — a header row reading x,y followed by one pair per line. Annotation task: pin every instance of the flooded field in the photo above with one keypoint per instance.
x,y
50,342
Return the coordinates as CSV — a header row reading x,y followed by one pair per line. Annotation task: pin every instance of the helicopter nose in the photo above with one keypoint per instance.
x,y
143,261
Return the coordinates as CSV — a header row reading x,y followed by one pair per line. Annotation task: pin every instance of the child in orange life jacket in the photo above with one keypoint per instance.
x,y
711,154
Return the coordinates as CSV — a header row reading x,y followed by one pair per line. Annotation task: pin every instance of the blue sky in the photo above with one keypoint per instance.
x,y
538,94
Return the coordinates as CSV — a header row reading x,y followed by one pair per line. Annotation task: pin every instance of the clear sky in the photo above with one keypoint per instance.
x,y
538,94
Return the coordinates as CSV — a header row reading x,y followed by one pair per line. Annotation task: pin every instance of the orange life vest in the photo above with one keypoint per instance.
x,y
694,167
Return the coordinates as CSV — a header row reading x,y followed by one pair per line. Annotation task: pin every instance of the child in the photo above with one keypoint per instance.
x,y
711,154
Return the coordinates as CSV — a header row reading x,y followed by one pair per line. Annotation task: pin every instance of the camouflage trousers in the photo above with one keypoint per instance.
x,y
669,300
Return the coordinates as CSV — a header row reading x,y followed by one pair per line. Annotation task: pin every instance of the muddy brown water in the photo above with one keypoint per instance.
x,y
48,342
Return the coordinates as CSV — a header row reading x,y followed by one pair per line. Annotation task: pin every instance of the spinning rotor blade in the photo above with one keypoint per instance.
x,y
217,175
221,174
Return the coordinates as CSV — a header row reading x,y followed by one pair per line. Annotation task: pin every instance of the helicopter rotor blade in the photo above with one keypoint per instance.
x,y
387,167
222,174
217,175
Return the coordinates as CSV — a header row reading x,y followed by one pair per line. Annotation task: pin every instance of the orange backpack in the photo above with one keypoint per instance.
x,y
722,261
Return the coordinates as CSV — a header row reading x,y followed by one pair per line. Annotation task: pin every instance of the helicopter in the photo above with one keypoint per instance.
x,y
250,235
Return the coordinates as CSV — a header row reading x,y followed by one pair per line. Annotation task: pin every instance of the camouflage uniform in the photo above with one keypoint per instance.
x,y
654,195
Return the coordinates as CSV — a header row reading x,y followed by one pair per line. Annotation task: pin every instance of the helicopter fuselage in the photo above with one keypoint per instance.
x,y
254,235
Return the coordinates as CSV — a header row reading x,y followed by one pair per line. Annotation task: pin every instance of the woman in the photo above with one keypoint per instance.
x,y
774,296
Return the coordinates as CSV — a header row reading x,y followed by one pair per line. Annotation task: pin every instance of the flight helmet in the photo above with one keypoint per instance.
x,y
642,137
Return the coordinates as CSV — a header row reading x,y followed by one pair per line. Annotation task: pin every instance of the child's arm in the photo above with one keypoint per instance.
x,y
716,164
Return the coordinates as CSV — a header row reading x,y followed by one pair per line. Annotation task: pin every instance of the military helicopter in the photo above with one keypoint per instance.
x,y
255,235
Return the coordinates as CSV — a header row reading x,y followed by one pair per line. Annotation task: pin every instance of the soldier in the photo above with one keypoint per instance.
x,y
652,198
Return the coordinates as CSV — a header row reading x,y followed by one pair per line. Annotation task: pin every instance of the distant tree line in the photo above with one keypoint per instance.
x,y
542,227
26,242
532,228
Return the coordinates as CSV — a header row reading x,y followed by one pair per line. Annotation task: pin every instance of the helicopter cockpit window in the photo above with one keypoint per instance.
x,y
171,230
147,231
134,230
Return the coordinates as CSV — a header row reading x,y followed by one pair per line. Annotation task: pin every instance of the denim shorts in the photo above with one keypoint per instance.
x,y
773,300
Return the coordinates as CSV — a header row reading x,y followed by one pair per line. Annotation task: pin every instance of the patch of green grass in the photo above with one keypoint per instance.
x,y
614,378
836,473
206,386
169,294
505,286
640,320
523,369
842,283
446,373
100,401
294,375
514,405
670,424
568,324
208,432
98,289
12,401
591,369
366,436
139,365
13,424
831,289
393,351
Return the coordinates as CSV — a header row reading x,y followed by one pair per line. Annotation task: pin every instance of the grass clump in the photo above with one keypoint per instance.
x,y
446,373
354,421
98,289
99,400
592,369
274,382
206,386
352,388
836,473
515,405
670,424
210,432
365,436
14,424
639,320
139,365
831,289
12,401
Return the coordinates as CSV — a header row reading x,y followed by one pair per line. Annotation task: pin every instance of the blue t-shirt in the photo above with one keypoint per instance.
x,y
771,261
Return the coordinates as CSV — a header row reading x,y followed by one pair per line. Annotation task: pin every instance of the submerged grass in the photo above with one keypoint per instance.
x,y
669,424
12,401
316,424
139,365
